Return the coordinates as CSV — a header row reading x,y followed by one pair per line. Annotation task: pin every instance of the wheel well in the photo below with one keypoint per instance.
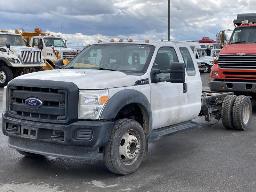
x,y
2,63
136,112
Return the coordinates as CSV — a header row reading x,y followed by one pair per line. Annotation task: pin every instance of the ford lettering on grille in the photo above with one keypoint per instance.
x,y
33,102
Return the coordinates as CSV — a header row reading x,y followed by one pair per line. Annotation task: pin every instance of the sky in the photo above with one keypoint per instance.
x,y
141,19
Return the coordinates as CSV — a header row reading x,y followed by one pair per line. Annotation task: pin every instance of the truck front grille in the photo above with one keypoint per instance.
x,y
240,75
69,55
57,101
237,61
31,57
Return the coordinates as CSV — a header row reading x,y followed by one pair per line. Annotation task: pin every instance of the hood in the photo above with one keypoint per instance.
x,y
18,49
61,49
239,49
86,78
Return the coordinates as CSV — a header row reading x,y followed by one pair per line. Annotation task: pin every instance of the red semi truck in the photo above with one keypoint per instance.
x,y
235,69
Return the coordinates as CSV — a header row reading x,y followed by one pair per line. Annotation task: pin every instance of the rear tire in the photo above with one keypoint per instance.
x,y
30,155
227,111
242,113
126,148
5,75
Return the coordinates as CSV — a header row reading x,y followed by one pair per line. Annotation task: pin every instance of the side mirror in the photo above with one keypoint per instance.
x,y
154,75
40,44
8,45
177,73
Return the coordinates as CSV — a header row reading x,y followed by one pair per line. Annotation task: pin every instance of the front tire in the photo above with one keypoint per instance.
x,y
126,148
5,75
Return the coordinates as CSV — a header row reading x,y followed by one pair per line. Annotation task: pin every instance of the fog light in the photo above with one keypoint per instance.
x,y
83,134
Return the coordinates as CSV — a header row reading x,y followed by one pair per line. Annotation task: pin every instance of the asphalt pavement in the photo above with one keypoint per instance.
x,y
205,159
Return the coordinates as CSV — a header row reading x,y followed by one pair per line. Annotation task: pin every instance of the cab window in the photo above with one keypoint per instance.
x,y
190,68
165,56
35,42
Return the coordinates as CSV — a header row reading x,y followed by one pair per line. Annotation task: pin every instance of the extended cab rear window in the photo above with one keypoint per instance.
x,y
190,68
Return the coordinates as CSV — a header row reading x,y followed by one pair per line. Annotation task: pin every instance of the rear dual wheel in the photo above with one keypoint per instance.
x,y
236,112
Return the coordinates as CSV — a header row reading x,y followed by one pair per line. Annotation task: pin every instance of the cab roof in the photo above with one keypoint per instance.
x,y
47,36
154,43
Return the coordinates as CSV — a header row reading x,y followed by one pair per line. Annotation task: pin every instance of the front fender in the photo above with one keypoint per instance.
x,y
124,98
4,61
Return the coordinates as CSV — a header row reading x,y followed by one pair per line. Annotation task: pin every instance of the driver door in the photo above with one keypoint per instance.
x,y
168,99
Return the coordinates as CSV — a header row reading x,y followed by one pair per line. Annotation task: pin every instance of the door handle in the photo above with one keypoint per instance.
x,y
185,87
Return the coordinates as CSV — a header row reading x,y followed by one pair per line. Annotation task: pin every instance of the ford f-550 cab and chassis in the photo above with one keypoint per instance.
x,y
111,100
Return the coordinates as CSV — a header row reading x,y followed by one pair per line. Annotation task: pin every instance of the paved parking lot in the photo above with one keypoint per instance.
x,y
207,158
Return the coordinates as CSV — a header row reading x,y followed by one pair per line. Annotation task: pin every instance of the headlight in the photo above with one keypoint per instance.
x,y
91,103
4,99
13,60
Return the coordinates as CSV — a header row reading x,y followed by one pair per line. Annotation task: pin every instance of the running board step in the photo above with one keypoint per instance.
x,y
158,133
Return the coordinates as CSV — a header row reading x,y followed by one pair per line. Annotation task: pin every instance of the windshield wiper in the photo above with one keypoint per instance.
x,y
106,69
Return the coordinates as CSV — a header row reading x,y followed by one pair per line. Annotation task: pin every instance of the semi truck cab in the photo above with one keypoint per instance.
x,y
235,69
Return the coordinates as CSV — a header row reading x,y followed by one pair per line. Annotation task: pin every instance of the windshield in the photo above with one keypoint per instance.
x,y
117,57
54,42
13,40
244,35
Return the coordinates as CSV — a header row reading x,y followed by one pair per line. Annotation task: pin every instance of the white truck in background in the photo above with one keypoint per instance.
x,y
53,49
205,54
111,101
15,58
205,60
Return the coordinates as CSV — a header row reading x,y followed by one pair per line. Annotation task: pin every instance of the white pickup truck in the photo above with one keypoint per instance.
x,y
15,58
53,49
111,100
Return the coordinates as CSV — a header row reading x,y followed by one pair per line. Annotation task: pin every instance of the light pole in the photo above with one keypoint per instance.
x,y
169,20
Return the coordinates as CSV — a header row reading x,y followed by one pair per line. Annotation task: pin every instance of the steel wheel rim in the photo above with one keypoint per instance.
x,y
2,77
246,113
129,148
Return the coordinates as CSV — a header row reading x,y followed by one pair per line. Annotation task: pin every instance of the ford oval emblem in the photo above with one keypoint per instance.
x,y
33,102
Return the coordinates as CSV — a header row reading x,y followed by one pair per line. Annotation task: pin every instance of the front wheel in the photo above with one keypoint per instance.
x,y
5,75
126,148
